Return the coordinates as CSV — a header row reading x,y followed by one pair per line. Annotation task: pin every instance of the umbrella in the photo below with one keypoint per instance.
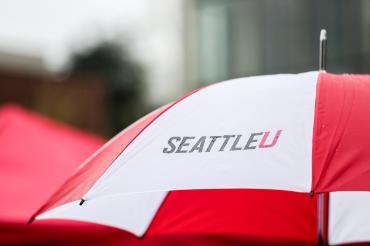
x,y
266,159
30,173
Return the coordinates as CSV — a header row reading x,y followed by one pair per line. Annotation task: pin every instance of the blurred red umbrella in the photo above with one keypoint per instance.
x,y
36,156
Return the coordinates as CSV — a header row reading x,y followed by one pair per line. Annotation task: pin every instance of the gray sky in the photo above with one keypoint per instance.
x,y
51,28
151,29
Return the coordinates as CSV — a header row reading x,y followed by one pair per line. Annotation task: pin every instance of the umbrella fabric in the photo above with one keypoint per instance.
x,y
30,172
302,134
37,155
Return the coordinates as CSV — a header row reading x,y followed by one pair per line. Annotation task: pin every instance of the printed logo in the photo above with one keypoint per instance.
x,y
236,142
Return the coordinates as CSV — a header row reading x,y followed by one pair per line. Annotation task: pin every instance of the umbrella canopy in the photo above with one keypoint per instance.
x,y
30,143
243,153
30,173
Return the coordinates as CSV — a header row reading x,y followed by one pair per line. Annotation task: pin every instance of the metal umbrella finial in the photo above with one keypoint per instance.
x,y
322,62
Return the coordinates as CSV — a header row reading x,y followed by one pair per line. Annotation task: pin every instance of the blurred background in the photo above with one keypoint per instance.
x,y
100,65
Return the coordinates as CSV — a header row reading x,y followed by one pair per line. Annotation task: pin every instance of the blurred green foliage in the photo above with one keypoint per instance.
x,y
109,62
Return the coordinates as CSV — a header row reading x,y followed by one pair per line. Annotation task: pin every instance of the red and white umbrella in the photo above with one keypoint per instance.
x,y
277,158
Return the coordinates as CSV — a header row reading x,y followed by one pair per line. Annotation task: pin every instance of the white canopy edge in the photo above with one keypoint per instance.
x,y
349,217
132,213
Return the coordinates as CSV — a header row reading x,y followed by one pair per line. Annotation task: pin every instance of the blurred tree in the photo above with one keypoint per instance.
x,y
109,62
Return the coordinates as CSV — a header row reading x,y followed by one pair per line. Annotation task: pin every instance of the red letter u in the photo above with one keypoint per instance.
x,y
264,138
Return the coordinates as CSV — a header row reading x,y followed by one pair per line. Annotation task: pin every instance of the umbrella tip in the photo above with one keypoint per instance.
x,y
82,201
323,34
30,220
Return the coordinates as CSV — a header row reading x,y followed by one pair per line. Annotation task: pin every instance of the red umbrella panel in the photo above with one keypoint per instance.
x,y
37,155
